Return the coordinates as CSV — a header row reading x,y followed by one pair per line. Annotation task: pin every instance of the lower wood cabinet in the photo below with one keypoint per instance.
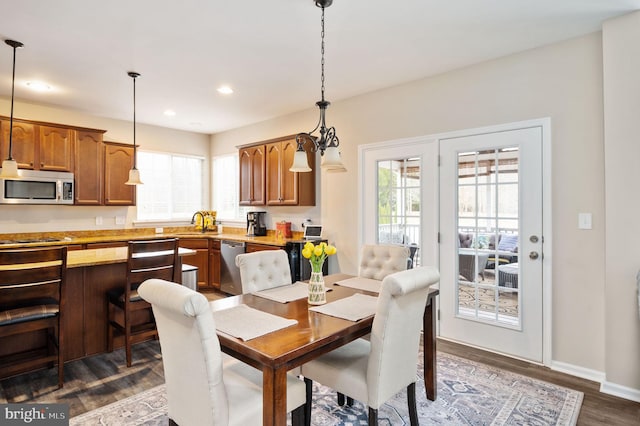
x,y
214,264
200,259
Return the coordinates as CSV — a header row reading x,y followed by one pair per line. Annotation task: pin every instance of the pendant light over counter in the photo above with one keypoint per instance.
x,y
134,173
327,142
10,165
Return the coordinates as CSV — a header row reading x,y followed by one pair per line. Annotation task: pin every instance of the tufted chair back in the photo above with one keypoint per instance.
x,y
190,353
379,260
265,269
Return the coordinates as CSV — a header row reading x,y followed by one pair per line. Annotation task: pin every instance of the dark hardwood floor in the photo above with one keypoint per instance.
x,y
597,408
100,380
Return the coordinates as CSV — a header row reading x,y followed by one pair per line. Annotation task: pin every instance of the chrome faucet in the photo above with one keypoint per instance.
x,y
193,219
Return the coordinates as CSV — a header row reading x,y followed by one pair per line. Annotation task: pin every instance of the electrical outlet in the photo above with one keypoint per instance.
x,y
159,230
120,220
98,220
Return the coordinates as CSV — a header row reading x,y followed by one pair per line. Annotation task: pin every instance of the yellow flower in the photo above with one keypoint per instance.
x,y
306,253
330,250
309,245
318,250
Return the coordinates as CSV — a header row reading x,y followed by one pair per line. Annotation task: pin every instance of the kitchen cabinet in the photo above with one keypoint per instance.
x,y
214,264
37,146
265,178
88,168
252,176
55,147
118,160
200,259
286,188
24,143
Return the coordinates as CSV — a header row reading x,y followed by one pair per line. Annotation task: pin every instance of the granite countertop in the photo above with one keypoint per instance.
x,y
89,237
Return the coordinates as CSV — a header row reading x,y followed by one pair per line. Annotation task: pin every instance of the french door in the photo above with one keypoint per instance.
x,y
399,196
491,205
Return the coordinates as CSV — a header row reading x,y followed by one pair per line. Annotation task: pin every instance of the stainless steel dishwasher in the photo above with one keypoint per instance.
x,y
229,273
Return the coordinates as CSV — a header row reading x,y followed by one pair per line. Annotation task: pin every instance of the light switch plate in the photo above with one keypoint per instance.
x,y
120,220
584,220
98,220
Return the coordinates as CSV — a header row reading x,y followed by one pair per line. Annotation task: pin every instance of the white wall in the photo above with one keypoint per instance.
x,y
562,81
68,218
622,176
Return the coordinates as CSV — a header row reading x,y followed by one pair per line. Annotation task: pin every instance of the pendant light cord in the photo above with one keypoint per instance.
x,y
322,55
13,85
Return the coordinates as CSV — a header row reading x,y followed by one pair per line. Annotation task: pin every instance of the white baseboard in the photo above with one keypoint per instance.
x,y
574,370
620,391
599,377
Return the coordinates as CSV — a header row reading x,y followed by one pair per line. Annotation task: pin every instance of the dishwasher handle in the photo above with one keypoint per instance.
x,y
233,243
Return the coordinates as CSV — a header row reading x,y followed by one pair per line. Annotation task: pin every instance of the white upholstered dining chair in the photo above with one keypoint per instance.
x,y
264,269
202,387
379,260
373,371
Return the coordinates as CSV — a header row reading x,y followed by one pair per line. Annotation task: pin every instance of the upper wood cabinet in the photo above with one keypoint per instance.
x,y
252,176
118,160
55,147
89,168
286,188
24,143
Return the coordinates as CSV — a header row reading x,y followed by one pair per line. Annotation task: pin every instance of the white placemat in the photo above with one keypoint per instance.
x,y
361,283
352,308
285,293
247,323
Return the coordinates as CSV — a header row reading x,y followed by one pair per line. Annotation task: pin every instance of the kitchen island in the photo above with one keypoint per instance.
x,y
90,274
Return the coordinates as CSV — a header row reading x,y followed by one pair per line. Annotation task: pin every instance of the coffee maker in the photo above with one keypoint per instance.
x,y
255,224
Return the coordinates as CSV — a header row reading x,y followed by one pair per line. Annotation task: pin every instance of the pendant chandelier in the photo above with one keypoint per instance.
x,y
134,173
327,142
10,166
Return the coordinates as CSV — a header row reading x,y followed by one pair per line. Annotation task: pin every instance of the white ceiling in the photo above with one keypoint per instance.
x,y
267,51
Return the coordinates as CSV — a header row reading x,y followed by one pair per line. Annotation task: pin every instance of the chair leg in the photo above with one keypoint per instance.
x,y
349,401
127,335
340,399
373,417
60,349
298,416
110,318
411,400
307,405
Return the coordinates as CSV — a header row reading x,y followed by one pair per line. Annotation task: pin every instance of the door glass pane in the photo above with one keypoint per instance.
x,y
488,287
399,203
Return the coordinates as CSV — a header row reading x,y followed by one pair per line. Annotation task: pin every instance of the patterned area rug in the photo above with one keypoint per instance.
x,y
469,393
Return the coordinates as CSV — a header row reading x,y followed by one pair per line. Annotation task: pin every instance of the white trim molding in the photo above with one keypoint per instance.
x,y
620,391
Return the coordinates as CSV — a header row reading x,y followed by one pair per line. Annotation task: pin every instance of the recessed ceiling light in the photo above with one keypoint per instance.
x,y
170,113
225,90
38,86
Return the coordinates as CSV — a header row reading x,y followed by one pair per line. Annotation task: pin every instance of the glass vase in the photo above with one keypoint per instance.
x,y
317,293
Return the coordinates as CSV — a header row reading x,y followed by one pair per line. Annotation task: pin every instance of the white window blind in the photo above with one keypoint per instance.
x,y
225,188
172,186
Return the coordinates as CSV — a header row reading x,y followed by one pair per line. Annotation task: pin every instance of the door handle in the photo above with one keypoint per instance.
x,y
533,255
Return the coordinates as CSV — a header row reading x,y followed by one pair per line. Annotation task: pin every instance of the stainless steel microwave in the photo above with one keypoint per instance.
x,y
37,187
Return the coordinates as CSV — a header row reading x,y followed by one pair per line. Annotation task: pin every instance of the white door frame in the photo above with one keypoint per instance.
x,y
547,228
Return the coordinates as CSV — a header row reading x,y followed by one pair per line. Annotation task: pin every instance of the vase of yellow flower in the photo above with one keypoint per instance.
x,y
317,254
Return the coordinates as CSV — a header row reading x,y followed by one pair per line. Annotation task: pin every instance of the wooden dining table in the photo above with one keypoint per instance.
x,y
314,334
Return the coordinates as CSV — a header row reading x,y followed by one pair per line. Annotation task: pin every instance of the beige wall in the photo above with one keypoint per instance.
x,y
69,218
561,81
622,175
